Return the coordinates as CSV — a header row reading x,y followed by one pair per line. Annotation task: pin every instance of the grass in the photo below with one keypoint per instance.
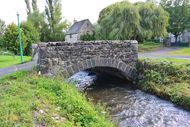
x,y
165,79
171,61
181,52
28,100
149,46
7,60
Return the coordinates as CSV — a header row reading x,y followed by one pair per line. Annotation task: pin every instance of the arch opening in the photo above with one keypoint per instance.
x,y
109,66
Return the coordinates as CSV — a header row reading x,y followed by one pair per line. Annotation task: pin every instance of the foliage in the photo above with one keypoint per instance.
x,y
54,18
31,34
181,52
28,97
10,39
154,21
2,30
119,21
2,27
36,18
166,79
123,20
179,11
9,59
87,37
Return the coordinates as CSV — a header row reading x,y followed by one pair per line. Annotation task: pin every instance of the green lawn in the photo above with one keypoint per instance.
x,y
149,46
6,60
181,52
28,100
172,60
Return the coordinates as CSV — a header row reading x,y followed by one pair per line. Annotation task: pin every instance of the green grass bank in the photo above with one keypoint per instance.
x,y
28,100
166,79
8,60
181,52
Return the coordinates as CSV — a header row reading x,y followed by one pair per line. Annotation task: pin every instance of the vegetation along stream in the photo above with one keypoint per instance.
x,y
129,106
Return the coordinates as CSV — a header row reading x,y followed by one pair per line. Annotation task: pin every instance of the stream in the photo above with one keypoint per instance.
x,y
128,106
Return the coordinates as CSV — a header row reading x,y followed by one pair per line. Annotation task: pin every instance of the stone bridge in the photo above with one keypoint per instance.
x,y
114,57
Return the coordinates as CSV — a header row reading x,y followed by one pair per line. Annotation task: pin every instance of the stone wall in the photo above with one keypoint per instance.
x,y
69,58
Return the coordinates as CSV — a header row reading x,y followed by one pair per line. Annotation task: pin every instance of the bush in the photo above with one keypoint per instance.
x,y
31,34
87,37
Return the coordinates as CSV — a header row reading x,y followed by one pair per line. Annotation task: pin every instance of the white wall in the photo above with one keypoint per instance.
x,y
72,38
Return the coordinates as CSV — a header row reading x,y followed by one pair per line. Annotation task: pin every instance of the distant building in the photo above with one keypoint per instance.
x,y
78,29
183,38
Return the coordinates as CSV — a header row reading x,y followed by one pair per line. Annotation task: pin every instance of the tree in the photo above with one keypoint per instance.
x,y
54,18
119,21
2,30
154,20
36,18
10,39
123,20
2,27
179,11
28,8
31,34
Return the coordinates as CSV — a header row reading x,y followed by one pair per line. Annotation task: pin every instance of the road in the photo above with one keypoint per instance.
x,y
163,53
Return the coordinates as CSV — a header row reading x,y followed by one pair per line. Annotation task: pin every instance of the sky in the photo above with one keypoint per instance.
x,y
71,9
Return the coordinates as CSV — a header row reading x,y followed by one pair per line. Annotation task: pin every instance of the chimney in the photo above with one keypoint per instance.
x,y
74,21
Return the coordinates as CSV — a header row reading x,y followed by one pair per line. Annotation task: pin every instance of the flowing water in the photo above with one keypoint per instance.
x,y
128,106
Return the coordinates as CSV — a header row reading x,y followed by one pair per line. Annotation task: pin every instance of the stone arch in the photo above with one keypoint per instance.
x,y
128,71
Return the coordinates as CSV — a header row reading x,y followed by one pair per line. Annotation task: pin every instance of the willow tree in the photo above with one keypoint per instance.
x,y
154,20
123,20
119,21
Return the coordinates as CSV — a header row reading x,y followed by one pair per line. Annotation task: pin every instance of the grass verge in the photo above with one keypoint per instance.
x,y
27,99
174,61
149,46
6,60
181,52
165,79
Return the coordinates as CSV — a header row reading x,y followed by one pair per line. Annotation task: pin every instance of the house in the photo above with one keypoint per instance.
x,y
78,29
183,39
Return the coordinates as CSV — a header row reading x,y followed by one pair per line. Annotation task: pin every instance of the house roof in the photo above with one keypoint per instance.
x,y
75,28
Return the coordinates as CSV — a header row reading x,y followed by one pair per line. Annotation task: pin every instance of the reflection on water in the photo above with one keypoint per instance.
x,y
131,107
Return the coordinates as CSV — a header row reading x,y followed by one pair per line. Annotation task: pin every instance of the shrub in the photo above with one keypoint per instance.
x,y
10,39
87,37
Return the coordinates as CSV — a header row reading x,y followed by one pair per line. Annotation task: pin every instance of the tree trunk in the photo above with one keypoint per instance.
x,y
176,37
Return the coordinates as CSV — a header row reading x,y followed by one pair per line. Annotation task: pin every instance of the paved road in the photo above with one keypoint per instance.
x,y
163,53
12,69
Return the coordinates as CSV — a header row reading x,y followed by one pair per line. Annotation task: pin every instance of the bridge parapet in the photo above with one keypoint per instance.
x,y
69,58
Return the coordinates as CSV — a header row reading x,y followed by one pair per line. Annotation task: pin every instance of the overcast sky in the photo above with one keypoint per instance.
x,y
78,9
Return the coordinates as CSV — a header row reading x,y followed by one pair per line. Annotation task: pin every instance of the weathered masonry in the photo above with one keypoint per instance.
x,y
69,58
